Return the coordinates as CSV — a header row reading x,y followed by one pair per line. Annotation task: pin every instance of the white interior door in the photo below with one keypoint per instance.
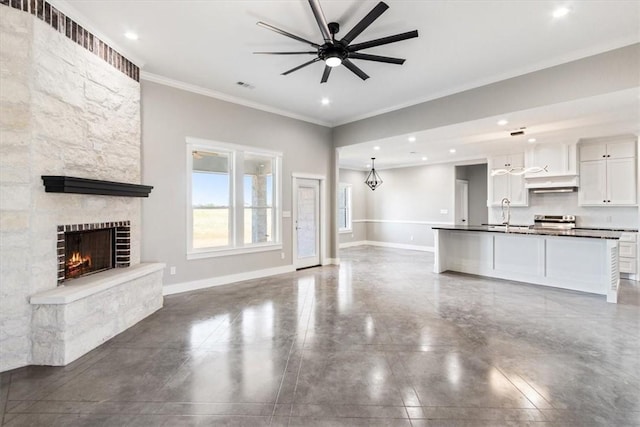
x,y
462,202
306,222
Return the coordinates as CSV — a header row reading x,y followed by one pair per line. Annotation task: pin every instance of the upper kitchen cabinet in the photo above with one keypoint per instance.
x,y
560,161
509,186
608,174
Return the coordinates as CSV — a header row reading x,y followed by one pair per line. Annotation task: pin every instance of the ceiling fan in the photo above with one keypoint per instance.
x,y
336,52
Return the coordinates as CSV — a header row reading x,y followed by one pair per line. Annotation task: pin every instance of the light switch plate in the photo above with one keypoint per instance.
x,y
444,211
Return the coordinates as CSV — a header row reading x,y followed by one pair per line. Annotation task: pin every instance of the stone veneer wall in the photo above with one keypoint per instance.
x,y
63,111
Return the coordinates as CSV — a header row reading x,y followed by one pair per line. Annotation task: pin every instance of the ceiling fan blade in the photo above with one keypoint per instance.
x,y
285,53
384,40
320,19
365,22
376,58
301,66
354,69
284,33
325,74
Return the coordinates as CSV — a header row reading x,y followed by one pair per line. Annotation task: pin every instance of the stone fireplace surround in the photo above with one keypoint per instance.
x,y
66,111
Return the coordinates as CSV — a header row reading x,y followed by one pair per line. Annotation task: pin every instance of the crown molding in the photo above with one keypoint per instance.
x,y
155,78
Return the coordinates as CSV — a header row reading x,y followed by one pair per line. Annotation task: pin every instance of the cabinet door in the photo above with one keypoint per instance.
x,y
500,188
516,160
518,194
593,183
553,156
500,162
621,181
622,149
590,152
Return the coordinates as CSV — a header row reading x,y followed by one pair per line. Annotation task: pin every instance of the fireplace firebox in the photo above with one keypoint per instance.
x,y
85,249
88,252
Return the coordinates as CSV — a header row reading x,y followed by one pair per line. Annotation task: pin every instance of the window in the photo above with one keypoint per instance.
x,y
344,207
233,199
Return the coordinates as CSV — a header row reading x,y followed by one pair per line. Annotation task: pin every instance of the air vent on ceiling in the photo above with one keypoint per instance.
x,y
518,132
246,85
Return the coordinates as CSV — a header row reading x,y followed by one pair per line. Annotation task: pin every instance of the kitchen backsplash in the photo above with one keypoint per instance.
x,y
567,204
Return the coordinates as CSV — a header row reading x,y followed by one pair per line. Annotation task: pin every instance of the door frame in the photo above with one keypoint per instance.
x,y
457,208
322,179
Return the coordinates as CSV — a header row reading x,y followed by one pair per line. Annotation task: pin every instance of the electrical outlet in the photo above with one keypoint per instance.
x,y
172,271
609,218
281,255
444,211
411,238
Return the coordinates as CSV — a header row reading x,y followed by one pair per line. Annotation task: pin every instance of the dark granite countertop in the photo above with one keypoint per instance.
x,y
513,229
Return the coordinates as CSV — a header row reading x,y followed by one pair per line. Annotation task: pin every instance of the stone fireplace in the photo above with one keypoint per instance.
x,y
70,107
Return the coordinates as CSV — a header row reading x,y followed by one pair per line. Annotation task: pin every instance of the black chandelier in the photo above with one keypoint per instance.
x,y
373,179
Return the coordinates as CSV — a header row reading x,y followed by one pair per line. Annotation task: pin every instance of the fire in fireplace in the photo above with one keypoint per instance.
x,y
90,248
88,252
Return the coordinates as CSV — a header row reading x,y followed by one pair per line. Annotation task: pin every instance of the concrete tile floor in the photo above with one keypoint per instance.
x,y
379,341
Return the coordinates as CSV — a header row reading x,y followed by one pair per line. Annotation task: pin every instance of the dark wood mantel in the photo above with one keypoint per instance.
x,y
70,184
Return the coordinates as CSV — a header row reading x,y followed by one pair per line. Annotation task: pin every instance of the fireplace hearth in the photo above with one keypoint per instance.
x,y
85,249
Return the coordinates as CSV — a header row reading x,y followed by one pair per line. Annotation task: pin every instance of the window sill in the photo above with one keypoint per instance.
x,y
345,231
214,253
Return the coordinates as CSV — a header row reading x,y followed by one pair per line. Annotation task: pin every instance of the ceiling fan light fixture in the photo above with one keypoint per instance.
x,y
333,61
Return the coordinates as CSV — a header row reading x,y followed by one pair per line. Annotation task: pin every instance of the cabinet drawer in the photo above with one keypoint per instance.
x,y
628,237
627,249
627,265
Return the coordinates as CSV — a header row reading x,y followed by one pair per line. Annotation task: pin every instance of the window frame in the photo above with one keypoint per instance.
x,y
348,202
236,224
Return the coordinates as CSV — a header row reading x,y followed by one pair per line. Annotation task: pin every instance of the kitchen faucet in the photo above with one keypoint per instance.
x,y
506,218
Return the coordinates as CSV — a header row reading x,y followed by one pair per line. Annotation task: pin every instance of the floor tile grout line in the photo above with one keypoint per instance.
x,y
6,400
85,365
523,393
293,343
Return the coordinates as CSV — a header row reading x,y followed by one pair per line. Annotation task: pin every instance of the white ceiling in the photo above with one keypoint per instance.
x,y
463,44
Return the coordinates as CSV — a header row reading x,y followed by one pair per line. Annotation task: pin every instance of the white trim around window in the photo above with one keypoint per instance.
x,y
236,243
344,208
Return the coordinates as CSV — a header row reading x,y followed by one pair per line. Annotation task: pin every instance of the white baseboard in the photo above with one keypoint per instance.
x,y
388,245
352,244
224,280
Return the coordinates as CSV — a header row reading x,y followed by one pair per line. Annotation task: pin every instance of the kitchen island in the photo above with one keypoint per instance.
x,y
579,260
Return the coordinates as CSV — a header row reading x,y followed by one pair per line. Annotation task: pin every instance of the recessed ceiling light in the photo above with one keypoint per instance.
x,y
325,101
424,159
452,151
531,140
502,122
560,12
131,35
377,147
412,139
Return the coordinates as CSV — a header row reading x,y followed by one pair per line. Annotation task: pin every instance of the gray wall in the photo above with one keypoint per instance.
x,y
170,115
403,209
599,74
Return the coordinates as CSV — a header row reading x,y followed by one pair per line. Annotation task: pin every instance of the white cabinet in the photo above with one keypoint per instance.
x,y
509,186
608,173
558,157
628,254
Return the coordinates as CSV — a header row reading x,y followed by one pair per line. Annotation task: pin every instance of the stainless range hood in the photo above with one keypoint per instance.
x,y
554,190
552,183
